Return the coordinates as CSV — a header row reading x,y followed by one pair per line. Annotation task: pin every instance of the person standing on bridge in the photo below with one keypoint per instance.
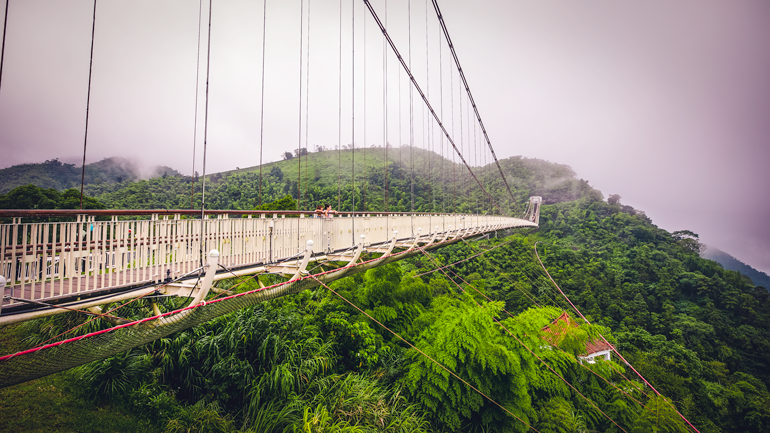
x,y
328,211
319,212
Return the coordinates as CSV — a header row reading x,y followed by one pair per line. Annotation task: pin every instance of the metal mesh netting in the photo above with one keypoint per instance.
x,y
39,362
54,358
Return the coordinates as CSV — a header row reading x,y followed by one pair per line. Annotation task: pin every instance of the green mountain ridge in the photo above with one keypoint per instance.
x,y
61,176
729,262
439,184
311,362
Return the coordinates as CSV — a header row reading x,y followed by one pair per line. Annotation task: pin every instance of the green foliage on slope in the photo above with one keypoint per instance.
x,y
311,362
326,177
729,262
57,175
32,197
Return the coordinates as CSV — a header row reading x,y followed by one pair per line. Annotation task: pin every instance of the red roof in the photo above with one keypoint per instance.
x,y
556,334
596,346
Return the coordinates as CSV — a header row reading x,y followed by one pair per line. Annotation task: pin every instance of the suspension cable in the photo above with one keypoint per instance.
x,y
476,158
339,122
195,121
411,113
430,124
425,100
441,137
299,125
2,51
307,107
88,99
385,114
462,136
452,106
353,110
468,90
205,136
400,130
262,106
363,150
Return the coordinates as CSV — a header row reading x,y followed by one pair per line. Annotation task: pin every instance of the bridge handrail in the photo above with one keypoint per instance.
x,y
37,213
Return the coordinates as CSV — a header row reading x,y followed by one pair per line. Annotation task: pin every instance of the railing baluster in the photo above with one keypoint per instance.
x,y
51,259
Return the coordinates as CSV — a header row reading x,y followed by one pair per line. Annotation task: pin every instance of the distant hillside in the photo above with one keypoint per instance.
x,y
60,176
439,184
731,263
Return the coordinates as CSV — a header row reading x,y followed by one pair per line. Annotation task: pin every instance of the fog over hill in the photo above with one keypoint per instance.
x,y
113,179
58,175
731,263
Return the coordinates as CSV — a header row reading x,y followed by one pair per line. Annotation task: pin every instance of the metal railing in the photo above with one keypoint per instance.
x,y
50,260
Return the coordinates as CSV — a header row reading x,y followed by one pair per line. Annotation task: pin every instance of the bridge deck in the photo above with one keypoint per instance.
x,y
48,261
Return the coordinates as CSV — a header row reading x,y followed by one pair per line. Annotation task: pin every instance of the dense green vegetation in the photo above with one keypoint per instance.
x,y
32,197
311,362
327,178
57,175
729,262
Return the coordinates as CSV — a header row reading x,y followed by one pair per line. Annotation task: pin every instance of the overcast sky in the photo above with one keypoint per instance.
x,y
666,103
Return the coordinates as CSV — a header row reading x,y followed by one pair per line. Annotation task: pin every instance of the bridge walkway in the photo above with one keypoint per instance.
x,y
59,262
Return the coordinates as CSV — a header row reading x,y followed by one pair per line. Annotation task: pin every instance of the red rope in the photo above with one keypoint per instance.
x,y
510,315
522,343
614,349
237,295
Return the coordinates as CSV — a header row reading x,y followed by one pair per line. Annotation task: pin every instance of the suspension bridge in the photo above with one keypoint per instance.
x,y
83,260
89,259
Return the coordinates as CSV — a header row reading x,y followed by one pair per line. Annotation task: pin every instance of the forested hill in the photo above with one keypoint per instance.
x,y
439,184
57,175
311,362
729,262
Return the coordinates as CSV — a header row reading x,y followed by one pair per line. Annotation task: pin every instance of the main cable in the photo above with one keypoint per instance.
x,y
425,99
205,136
468,90
2,51
88,98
